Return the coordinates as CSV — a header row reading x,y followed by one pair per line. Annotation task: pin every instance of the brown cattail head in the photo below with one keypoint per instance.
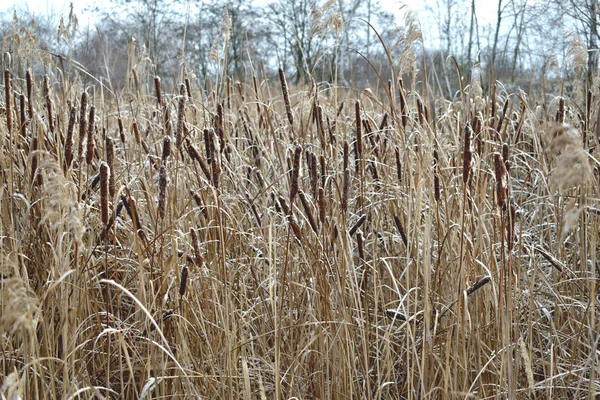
x,y
180,117
48,103
34,159
345,190
162,191
89,156
308,210
360,242
286,97
357,224
505,155
560,114
481,282
295,174
467,154
501,181
69,139
398,165
7,99
400,230
166,152
82,125
359,144
314,175
22,117
322,209
110,160
216,160
436,176
403,109
184,277
158,91
323,165
198,258
195,155
136,132
104,192
208,145
346,155
121,130
29,81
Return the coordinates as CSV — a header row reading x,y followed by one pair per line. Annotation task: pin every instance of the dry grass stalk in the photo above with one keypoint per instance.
x,y
82,125
8,100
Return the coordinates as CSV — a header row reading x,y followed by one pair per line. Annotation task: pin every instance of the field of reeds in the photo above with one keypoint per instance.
x,y
258,240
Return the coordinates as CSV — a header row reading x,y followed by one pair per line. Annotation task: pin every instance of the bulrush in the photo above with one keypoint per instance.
x,y
436,176
104,192
198,258
82,125
180,117
29,84
501,181
158,91
162,191
110,160
295,174
345,190
286,97
89,156
308,210
48,99
184,277
69,138
166,151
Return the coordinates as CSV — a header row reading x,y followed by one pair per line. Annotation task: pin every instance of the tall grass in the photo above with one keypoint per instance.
x,y
440,248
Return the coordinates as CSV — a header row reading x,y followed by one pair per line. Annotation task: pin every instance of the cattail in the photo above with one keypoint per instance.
x,y
361,246
400,229
346,155
184,276
501,181
162,191
501,120
290,217
216,162
110,160
166,149
420,112
69,139
505,155
198,258
188,87
136,133
180,116
219,126
345,190
436,177
357,224
90,136
48,104
195,155
402,104
359,144
121,130
322,209
200,204
314,175
29,81
82,125
34,159
308,211
560,115
104,192
295,174
323,170
510,227
209,146
468,153
384,122
286,97
398,165
7,98
481,282
23,120
158,91
321,127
